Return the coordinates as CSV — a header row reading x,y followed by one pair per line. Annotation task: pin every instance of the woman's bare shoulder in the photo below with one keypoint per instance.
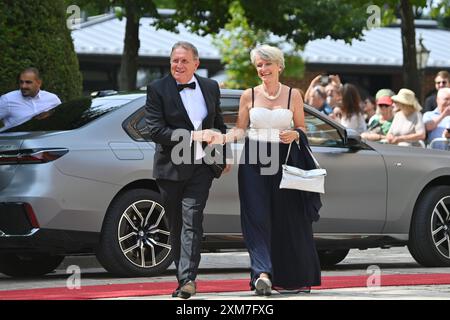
x,y
246,95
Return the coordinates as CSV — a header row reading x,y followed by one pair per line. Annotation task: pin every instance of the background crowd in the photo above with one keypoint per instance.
x,y
389,117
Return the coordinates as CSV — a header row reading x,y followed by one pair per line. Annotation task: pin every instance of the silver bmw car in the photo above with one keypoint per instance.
x,y
80,182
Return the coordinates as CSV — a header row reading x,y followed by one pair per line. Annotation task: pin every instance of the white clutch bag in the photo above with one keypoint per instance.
x,y
305,180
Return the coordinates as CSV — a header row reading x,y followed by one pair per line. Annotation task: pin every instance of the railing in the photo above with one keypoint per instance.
x,y
439,143
419,143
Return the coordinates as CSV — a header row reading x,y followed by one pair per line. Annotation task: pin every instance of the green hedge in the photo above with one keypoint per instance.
x,y
34,34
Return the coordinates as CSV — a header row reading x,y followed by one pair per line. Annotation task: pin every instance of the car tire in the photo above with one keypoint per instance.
x,y
329,258
429,236
28,264
135,237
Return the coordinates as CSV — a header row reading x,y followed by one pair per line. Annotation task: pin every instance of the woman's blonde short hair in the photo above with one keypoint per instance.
x,y
269,53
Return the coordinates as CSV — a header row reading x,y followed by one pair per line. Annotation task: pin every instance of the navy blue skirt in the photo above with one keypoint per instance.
x,y
276,227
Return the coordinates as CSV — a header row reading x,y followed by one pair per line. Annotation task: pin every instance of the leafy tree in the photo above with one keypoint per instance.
x,y
297,20
34,34
304,20
406,10
441,12
132,10
235,42
411,76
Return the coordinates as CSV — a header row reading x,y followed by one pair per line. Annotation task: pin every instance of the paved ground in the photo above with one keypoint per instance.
x,y
234,265
381,293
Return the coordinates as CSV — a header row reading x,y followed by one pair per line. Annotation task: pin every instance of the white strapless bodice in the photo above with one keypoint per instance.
x,y
266,124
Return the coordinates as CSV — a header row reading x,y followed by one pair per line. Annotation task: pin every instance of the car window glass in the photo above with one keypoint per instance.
x,y
136,126
320,133
71,115
230,108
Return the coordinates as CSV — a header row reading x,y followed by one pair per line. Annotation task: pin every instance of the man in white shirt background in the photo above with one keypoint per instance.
x,y
437,122
29,101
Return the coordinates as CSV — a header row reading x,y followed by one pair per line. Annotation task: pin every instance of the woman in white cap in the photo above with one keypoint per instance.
x,y
407,128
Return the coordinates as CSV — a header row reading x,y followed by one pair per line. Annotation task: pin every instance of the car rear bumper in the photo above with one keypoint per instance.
x,y
15,219
51,241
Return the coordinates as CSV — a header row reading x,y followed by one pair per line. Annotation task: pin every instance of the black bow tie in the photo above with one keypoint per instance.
x,y
186,85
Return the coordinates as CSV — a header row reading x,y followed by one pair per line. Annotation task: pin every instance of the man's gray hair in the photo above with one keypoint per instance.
x,y
442,92
269,53
187,46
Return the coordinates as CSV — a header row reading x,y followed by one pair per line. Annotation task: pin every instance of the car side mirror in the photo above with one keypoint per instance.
x,y
353,138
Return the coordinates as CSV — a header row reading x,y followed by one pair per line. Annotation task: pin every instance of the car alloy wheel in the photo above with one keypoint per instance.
x,y
143,234
429,237
440,226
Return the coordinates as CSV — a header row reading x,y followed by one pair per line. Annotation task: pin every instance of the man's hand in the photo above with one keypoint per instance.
x,y
218,138
446,111
227,168
335,80
208,135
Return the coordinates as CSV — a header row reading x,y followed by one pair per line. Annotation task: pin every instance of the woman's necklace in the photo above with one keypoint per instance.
x,y
269,96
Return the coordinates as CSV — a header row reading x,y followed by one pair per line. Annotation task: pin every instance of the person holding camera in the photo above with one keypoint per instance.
x,y
319,100
322,90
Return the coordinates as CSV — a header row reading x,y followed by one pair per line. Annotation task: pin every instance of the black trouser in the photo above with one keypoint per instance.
x,y
184,202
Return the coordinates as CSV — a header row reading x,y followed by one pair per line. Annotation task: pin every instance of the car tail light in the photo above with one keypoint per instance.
x,y
31,215
31,156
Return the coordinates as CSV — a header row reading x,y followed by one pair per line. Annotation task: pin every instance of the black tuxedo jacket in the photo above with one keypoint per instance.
x,y
166,113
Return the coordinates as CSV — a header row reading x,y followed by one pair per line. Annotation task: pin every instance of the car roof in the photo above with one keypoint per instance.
x,y
121,96
136,95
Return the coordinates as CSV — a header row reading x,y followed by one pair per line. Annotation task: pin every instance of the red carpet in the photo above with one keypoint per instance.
x,y
166,288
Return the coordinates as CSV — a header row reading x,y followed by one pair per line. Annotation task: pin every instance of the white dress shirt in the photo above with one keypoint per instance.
x,y
196,108
16,109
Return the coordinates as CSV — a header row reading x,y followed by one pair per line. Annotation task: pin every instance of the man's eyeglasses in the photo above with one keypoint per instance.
x,y
384,105
443,82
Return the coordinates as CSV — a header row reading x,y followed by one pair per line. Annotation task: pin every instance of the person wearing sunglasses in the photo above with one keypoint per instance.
x,y
442,80
380,123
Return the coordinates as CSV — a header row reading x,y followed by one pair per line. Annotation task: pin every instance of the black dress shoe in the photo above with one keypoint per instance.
x,y
185,291
180,294
176,292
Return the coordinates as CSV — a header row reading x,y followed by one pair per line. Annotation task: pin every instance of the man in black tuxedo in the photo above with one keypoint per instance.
x,y
177,102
